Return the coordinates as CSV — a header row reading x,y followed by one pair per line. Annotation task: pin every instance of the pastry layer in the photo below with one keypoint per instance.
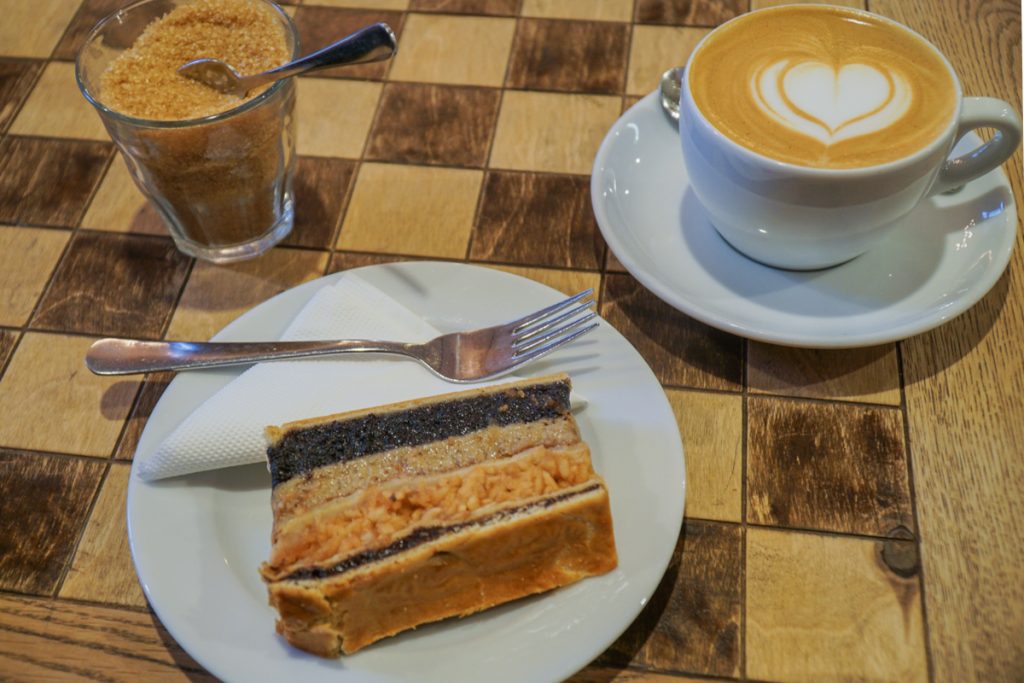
x,y
381,515
299,495
448,571
300,447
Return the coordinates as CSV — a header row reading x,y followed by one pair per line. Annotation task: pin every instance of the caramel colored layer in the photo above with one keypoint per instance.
x,y
324,484
448,572
381,515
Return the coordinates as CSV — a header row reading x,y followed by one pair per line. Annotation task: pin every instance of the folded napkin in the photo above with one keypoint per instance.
x,y
227,429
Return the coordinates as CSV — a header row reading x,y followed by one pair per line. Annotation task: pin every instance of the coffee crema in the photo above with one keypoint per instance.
x,y
822,87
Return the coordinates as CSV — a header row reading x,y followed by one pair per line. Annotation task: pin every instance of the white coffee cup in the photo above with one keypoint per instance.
x,y
800,217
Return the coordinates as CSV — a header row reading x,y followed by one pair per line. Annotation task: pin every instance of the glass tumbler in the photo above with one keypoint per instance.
x,y
221,183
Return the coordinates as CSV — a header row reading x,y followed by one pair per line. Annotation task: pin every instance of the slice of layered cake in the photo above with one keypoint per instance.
x,y
403,514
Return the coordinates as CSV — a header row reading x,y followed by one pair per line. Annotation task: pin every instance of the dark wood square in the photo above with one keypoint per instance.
x,y
688,12
321,26
571,56
828,466
118,285
88,15
43,510
681,351
346,260
16,79
505,8
692,622
537,219
152,389
434,124
49,182
322,187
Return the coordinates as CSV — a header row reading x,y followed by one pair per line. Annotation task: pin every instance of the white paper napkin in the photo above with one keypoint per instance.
x,y
227,429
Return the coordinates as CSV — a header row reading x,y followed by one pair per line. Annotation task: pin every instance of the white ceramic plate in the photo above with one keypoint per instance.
x,y
197,540
949,254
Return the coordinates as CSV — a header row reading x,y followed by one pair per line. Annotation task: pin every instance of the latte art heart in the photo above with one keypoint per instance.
x,y
831,104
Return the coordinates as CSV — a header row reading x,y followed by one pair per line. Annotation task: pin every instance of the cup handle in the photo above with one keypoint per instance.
x,y
980,112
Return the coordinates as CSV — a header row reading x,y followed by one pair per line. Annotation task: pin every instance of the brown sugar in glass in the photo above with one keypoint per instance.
x,y
217,168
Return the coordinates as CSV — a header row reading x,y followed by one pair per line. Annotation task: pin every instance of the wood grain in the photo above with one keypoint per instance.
x,y
963,387
571,56
828,608
27,259
497,7
319,26
51,402
217,294
692,622
102,569
62,640
152,389
609,674
434,124
42,511
537,219
322,188
688,12
827,466
680,350
8,338
46,181
871,375
711,426
119,285
16,79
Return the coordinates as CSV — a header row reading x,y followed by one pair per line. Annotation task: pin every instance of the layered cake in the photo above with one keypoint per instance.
x,y
399,515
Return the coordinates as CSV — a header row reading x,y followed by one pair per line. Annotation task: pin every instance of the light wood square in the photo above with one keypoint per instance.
x,y
568,282
413,210
827,608
216,295
119,205
711,426
439,48
27,258
655,49
598,10
551,132
31,29
870,375
55,108
51,402
761,4
333,116
102,569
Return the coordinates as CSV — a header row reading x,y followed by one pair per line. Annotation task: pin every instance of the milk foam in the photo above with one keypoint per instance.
x,y
823,87
831,104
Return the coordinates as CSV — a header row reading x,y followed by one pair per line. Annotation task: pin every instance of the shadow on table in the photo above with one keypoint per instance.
x,y
191,668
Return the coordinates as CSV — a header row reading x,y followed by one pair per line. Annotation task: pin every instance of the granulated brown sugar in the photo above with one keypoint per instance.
x,y
222,183
143,81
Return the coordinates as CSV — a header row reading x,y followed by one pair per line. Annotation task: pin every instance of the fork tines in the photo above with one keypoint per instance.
x,y
551,327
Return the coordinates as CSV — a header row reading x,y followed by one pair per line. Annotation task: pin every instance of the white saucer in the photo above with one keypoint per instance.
x,y
197,540
951,253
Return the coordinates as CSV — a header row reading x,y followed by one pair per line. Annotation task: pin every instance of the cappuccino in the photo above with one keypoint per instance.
x,y
823,87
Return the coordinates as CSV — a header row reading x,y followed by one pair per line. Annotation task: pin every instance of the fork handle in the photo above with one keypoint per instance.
x,y
130,356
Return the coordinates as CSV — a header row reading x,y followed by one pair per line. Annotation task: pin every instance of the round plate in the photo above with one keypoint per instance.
x,y
948,254
197,541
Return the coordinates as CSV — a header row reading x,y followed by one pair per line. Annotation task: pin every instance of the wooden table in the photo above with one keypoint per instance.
x,y
851,515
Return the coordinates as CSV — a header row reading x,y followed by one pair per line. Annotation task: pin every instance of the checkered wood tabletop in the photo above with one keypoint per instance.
x,y
850,515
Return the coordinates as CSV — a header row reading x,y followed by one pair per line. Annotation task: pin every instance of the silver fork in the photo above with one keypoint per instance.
x,y
458,357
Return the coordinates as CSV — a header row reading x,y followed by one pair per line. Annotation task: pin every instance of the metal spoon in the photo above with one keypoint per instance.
x,y
371,44
671,89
